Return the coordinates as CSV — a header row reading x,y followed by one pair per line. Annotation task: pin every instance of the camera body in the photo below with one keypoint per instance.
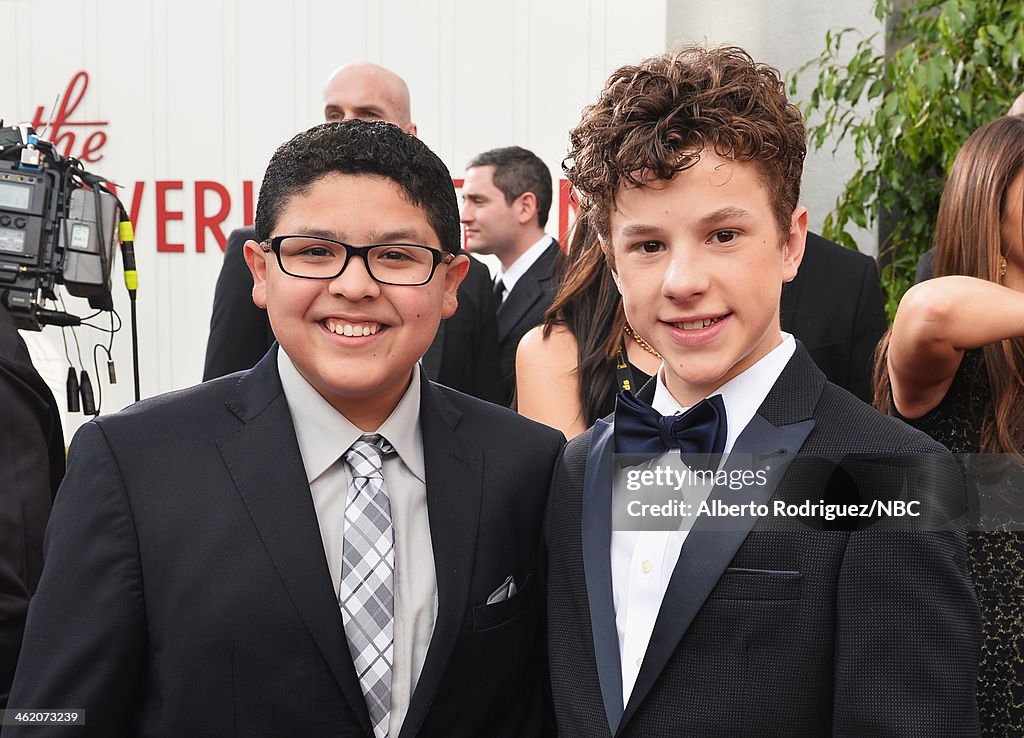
x,y
58,225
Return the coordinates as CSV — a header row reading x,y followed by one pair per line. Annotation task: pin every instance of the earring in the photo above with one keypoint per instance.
x,y
1002,267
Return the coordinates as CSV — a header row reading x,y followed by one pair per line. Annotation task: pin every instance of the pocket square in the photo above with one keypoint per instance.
x,y
504,592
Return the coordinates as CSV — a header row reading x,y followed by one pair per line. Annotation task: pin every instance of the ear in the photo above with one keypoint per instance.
x,y
526,208
456,272
793,248
410,128
256,260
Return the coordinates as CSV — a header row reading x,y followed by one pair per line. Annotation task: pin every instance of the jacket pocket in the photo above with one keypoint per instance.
x,y
500,613
758,584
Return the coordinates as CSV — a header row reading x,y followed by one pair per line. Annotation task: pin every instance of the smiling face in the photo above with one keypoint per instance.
x,y
700,263
355,340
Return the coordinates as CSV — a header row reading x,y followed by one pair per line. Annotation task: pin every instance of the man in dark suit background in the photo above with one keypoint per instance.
x,y
329,543
836,308
741,623
506,197
463,354
31,467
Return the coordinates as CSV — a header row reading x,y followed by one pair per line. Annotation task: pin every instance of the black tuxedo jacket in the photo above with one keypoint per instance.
x,y
186,592
771,631
524,308
31,467
835,306
463,355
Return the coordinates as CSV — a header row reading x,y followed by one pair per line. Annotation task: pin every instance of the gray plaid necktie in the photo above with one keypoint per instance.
x,y
367,595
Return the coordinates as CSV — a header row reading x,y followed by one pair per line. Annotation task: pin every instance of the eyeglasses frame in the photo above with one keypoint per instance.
x,y
274,244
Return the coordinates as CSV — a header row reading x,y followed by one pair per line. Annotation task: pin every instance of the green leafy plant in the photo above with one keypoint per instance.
x,y
952,66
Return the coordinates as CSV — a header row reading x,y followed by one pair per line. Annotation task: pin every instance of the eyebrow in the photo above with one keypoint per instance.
x,y
723,214
373,112
638,229
399,235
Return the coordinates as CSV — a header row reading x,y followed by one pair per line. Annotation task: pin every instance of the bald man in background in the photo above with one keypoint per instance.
x,y
463,354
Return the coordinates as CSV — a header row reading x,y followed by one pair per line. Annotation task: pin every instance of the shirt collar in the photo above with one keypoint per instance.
x,y
520,266
324,434
742,395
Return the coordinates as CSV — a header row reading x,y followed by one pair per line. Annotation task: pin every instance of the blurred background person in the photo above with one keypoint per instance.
x,y
953,366
836,308
463,354
570,368
506,196
31,468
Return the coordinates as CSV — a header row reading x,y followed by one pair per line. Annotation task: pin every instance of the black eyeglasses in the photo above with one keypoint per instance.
x,y
315,257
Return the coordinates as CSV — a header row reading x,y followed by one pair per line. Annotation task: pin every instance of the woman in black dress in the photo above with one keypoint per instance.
x,y
955,369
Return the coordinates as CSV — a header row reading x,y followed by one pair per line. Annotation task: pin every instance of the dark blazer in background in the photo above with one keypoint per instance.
x,y
186,591
31,467
524,308
767,632
463,354
925,268
835,306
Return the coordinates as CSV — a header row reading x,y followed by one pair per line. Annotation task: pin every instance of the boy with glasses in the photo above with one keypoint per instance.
x,y
329,543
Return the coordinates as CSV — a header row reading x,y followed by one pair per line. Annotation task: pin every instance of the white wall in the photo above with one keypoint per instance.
x,y
193,91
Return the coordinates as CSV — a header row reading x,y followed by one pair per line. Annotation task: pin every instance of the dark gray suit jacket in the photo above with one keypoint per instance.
x,y
31,467
836,308
186,591
767,631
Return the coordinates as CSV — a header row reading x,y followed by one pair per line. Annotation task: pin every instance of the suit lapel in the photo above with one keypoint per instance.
x,y
275,492
528,290
597,539
454,470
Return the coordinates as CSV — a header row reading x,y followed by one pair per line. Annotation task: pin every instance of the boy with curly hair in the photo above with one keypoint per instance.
x,y
689,167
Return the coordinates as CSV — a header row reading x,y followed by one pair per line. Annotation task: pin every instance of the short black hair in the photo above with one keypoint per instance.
x,y
361,147
517,170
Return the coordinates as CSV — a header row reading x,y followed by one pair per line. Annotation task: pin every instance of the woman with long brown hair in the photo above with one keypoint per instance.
x,y
570,368
953,366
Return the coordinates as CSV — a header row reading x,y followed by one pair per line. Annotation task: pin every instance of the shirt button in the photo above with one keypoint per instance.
x,y
639,662
646,566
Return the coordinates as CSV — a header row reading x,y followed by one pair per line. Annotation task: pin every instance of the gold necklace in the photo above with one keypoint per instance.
x,y
642,343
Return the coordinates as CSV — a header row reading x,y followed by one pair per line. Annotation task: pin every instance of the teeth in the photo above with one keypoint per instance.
x,y
696,325
349,329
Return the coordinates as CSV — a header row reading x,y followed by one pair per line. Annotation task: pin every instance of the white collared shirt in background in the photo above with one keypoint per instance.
x,y
324,435
521,265
642,562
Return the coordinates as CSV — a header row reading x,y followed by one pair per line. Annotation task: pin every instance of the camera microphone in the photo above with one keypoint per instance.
x,y
55,317
88,403
73,406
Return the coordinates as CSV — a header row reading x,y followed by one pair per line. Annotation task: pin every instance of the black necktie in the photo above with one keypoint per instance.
x,y
640,429
499,291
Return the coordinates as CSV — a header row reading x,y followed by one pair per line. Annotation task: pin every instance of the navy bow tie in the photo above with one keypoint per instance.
x,y
640,429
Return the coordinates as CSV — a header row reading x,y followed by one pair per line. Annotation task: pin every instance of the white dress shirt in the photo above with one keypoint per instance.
x,y
324,435
520,266
642,562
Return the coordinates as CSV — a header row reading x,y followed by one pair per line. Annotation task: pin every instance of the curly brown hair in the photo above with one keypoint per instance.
x,y
653,119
